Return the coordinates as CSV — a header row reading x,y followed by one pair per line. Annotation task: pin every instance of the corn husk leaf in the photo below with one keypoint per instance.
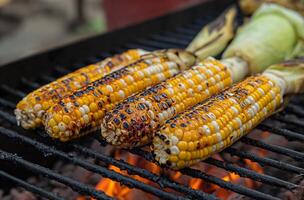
x,y
271,36
215,36
292,72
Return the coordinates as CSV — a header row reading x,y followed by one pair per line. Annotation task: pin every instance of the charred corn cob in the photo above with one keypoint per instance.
x,y
30,109
133,121
82,111
144,113
29,112
216,124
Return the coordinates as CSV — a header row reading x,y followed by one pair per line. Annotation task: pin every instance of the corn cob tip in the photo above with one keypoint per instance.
x,y
28,116
126,126
66,123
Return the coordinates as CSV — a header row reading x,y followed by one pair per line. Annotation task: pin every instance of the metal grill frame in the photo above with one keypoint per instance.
x,y
177,29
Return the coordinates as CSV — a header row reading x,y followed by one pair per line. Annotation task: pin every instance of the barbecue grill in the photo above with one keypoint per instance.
x,y
31,153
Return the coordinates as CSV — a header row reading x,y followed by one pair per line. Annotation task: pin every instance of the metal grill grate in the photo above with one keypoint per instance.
x,y
175,37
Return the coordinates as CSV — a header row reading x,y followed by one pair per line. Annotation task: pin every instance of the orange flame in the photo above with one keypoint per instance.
x,y
115,189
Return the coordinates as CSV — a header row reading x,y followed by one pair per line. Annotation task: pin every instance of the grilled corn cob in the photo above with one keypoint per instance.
x,y
30,109
216,124
210,41
132,121
144,113
82,111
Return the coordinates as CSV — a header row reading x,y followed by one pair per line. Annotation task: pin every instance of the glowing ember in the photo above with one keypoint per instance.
x,y
115,189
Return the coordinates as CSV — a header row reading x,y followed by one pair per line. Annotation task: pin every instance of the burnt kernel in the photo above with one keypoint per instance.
x,y
78,94
141,106
129,111
125,125
133,121
115,111
38,99
169,102
107,117
110,64
119,106
99,104
143,118
183,125
164,105
99,91
168,151
173,125
90,87
164,95
122,116
76,104
162,137
61,103
116,121
95,84
167,142
130,99
65,110
168,163
156,98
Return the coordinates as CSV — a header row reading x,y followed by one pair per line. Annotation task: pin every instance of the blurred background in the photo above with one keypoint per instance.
x,y
31,26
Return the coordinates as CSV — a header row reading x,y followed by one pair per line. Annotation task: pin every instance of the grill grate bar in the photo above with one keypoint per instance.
x,y
178,36
6,103
274,148
134,45
251,174
212,179
12,91
298,110
81,188
156,44
225,184
186,31
162,181
29,83
288,120
267,161
47,78
62,71
30,187
281,131
169,39
86,165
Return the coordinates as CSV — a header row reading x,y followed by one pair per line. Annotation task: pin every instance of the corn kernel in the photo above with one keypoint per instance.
x,y
182,145
182,155
57,118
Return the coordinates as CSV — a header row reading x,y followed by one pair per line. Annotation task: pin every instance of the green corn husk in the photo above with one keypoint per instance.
x,y
291,73
274,34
